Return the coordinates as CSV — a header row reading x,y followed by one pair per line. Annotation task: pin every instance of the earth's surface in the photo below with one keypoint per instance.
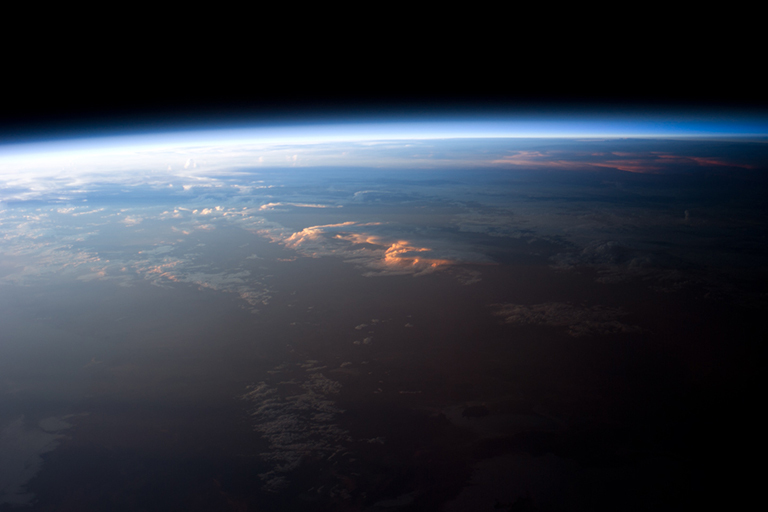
x,y
423,323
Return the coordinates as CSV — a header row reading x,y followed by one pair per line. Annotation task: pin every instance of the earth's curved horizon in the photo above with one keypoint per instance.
x,y
521,313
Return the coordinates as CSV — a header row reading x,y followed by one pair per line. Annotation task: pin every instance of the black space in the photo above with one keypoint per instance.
x,y
71,91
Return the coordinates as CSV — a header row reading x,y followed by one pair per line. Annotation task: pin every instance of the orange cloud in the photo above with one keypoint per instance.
x,y
717,161
360,238
649,163
310,233
639,166
400,253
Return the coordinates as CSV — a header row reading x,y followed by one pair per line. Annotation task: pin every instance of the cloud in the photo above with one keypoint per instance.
x,y
306,236
646,162
37,248
53,244
298,419
161,249
273,206
186,270
578,320
372,246
528,159
132,220
617,262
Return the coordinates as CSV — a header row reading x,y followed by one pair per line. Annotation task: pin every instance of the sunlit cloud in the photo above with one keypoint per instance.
x,y
311,233
636,162
402,254
380,253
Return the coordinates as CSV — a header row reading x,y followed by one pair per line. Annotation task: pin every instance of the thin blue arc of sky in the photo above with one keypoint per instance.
x,y
372,131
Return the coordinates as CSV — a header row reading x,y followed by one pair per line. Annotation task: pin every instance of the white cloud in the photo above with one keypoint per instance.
x,y
298,419
132,220
273,206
